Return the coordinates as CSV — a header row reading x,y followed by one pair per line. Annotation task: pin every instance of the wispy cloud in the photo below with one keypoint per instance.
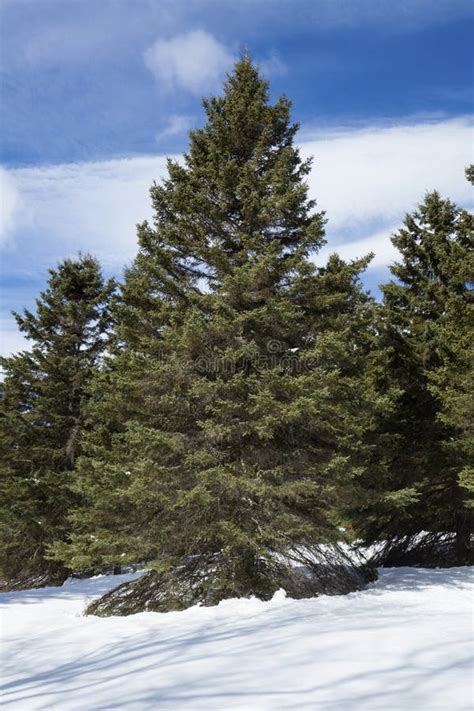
x,y
379,244
399,16
176,126
194,61
11,340
82,206
57,31
273,66
9,205
365,179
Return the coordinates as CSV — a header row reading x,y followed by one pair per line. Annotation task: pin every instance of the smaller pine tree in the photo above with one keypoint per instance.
x,y
452,381
42,416
426,327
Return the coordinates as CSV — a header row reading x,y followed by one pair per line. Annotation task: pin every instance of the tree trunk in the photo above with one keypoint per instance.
x,y
463,538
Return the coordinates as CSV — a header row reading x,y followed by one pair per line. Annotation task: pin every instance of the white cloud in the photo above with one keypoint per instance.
x,y
379,244
85,206
194,61
9,204
370,177
365,179
176,126
11,340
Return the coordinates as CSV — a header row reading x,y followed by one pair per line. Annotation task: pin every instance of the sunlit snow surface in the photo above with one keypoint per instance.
x,y
403,644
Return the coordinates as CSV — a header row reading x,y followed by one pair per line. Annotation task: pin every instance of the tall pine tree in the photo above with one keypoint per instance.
x,y
42,416
230,415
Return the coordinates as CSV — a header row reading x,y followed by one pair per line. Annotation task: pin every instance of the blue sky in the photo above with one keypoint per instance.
x,y
94,93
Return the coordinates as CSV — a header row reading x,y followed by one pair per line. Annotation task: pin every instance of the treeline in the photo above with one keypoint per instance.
x,y
230,404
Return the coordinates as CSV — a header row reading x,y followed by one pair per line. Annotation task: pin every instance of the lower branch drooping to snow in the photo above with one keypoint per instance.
x,y
426,550
206,580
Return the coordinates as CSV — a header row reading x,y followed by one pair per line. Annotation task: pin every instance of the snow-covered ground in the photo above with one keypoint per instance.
x,y
403,644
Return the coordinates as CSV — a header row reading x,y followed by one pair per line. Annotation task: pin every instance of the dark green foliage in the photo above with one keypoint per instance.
x,y
428,327
42,415
229,421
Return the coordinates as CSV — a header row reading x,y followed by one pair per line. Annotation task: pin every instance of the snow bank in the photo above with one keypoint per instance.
x,y
403,643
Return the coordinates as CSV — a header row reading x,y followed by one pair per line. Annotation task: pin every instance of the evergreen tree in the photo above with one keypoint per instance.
x,y
231,411
428,437
42,416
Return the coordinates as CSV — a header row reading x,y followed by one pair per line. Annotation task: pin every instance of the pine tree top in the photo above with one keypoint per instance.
x,y
239,195
73,306
436,263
